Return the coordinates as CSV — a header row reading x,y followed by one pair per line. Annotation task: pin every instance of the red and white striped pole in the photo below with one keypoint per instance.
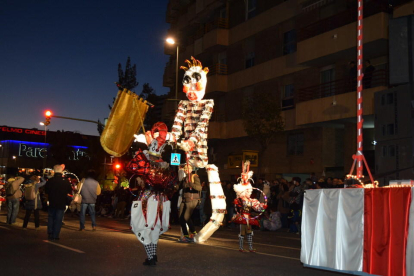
x,y
360,121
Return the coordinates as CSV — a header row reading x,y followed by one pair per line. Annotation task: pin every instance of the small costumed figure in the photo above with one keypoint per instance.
x,y
245,206
150,212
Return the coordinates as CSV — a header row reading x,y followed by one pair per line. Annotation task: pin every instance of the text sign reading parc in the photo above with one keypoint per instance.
x,y
175,159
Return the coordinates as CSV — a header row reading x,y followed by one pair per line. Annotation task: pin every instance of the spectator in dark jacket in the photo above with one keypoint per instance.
x,y
35,204
90,190
57,188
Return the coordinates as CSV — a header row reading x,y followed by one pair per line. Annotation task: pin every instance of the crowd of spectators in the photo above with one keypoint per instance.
x,y
284,200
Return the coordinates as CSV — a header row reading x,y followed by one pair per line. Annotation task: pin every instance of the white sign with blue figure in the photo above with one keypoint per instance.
x,y
175,159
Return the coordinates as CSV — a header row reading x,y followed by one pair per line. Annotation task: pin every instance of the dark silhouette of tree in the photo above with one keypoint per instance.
x,y
127,79
100,127
262,120
148,93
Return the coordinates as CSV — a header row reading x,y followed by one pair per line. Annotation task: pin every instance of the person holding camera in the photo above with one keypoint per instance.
x,y
34,204
191,198
13,195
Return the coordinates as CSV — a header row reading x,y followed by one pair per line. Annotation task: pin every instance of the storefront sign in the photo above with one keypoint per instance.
x,y
34,150
22,130
234,161
252,156
31,151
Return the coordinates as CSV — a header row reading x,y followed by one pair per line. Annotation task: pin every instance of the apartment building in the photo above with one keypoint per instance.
x,y
394,120
299,50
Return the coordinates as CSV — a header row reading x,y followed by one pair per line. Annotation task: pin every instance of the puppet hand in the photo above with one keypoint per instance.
x,y
186,145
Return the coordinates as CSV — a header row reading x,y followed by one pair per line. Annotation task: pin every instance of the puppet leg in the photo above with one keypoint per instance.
x,y
218,205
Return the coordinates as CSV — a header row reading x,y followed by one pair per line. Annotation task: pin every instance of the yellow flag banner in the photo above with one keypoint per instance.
x,y
126,118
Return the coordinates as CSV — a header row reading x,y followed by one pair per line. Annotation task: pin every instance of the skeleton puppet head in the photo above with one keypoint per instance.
x,y
195,80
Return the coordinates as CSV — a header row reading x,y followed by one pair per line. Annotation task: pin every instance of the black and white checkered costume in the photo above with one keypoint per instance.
x,y
194,116
151,250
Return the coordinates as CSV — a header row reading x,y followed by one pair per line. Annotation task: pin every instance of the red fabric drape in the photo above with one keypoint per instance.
x,y
385,230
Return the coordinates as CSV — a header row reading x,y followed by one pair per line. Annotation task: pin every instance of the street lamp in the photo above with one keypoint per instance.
x,y
45,124
172,41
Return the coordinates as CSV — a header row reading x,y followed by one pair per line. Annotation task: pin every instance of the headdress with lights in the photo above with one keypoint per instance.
x,y
244,184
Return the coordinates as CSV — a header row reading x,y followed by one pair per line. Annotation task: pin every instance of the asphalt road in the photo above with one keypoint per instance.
x,y
114,250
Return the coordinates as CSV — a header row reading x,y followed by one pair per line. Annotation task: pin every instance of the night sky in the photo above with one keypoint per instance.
x,y
63,56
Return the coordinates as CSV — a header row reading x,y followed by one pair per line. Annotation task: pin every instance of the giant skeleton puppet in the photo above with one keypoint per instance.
x,y
194,115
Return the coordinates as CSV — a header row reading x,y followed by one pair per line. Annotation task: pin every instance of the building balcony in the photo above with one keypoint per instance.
x,y
213,35
341,86
336,101
217,83
218,69
341,19
328,40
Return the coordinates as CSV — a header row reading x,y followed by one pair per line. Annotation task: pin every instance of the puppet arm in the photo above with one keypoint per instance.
x,y
177,127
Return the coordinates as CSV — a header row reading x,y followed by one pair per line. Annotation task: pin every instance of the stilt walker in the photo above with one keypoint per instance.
x,y
194,115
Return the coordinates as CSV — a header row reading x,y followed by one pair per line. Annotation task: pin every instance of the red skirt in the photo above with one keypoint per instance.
x,y
239,219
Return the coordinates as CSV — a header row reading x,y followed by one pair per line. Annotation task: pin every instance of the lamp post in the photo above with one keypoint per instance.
x,y
172,41
45,158
1,159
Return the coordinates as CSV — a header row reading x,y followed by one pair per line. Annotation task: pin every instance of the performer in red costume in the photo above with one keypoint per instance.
x,y
150,212
244,206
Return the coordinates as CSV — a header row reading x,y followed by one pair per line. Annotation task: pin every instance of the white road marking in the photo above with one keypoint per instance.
x,y
234,249
234,240
260,253
66,247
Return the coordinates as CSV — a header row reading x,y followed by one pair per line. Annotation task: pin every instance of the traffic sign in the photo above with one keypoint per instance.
x,y
175,159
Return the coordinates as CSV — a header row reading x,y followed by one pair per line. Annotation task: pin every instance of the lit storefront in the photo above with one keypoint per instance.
x,y
26,150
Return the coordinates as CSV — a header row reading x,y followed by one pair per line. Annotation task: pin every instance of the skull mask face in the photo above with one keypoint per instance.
x,y
195,80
